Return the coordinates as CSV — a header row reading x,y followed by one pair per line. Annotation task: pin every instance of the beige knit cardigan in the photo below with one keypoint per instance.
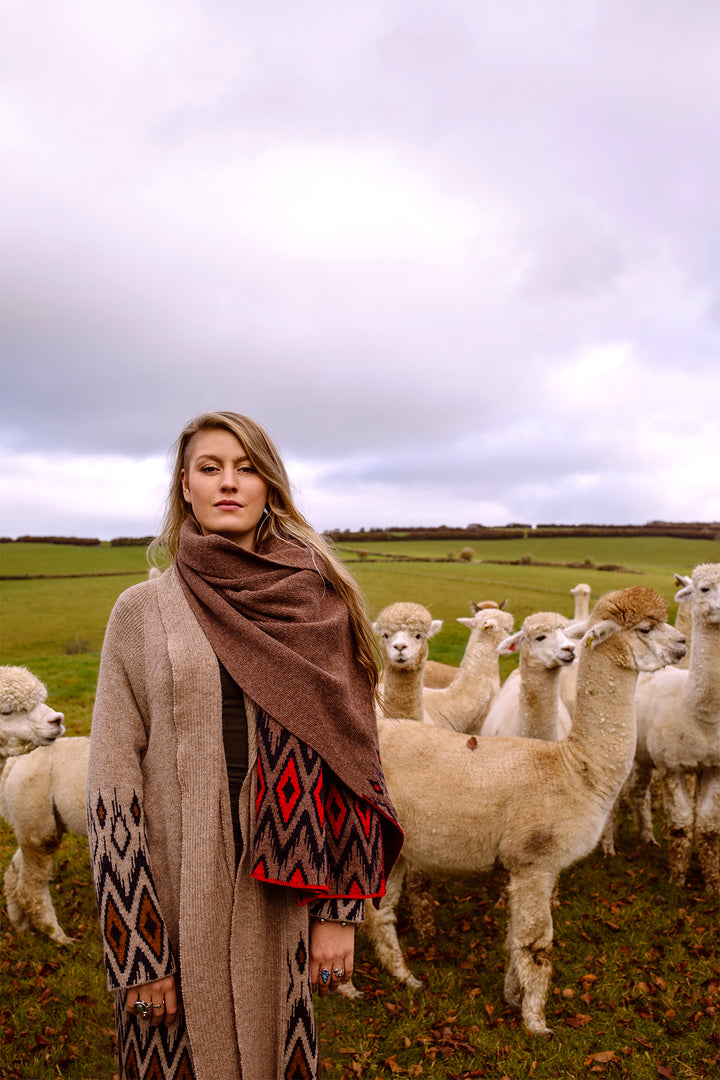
x,y
161,841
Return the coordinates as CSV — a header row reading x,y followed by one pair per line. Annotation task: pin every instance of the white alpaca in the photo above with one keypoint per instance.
x,y
537,807
438,675
568,676
27,726
464,704
530,706
678,718
637,789
25,720
403,630
683,617
43,797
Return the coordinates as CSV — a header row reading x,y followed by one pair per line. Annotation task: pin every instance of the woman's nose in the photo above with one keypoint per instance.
x,y
229,479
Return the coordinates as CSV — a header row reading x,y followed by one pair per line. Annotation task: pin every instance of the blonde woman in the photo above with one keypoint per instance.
x,y
238,813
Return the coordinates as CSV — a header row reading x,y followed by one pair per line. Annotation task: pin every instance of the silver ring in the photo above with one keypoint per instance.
x,y
338,972
143,1008
160,1006
324,976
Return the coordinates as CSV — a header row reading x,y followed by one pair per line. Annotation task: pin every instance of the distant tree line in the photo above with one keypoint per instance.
x,y
684,530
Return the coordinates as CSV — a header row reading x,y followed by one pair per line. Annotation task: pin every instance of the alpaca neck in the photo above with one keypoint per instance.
x,y
478,665
702,693
603,734
539,701
402,693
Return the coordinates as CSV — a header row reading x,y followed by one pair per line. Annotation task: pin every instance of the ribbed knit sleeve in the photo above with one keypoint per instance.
x,y
135,939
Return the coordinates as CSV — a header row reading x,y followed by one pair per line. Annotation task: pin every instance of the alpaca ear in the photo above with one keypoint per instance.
x,y
576,630
600,632
510,645
686,593
435,626
466,622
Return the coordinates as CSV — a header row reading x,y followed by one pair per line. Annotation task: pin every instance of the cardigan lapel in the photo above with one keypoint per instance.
x,y
208,855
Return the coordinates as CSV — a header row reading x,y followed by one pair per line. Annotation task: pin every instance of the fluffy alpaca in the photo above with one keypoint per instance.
x,y
683,617
464,704
403,630
25,720
27,726
438,675
568,675
637,791
537,807
530,706
678,718
43,796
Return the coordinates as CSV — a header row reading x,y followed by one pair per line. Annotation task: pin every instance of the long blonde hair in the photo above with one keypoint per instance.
x,y
282,520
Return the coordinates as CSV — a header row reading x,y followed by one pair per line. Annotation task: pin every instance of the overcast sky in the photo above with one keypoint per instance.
x,y
461,258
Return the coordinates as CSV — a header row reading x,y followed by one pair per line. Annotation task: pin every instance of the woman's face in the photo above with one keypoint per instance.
x,y
226,494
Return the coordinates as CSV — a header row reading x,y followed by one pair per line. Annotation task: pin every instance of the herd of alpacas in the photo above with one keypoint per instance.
x,y
598,706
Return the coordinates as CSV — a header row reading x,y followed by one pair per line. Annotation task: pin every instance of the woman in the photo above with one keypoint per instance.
x,y
238,815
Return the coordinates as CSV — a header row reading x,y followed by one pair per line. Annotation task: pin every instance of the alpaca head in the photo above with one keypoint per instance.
x,y
489,622
703,592
633,623
541,641
25,720
403,630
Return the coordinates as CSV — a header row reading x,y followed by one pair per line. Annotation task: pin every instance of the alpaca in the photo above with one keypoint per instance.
x,y
568,675
638,789
683,617
530,705
403,630
43,796
678,718
464,704
536,807
27,725
25,720
438,675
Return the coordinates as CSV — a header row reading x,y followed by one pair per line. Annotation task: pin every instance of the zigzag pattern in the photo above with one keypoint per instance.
x,y
152,1053
311,832
300,1057
135,941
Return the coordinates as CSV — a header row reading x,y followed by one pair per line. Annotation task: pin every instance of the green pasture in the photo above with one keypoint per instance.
x,y
636,986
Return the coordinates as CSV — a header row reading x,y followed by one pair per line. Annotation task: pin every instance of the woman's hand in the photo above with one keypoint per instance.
x,y
160,996
332,946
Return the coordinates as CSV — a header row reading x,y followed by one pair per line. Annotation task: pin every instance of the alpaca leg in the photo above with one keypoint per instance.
x,y
607,839
422,906
530,937
382,930
27,882
680,814
707,827
639,796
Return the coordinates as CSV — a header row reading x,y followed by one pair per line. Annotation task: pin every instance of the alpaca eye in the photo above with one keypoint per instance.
x,y
704,588
541,637
644,629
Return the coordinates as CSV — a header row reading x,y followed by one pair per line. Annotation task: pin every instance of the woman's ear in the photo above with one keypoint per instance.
x,y
185,489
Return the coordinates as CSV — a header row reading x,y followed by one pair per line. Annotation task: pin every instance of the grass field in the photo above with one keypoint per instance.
x,y
636,987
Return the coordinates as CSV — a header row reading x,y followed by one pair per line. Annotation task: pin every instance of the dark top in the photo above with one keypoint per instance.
x,y
235,741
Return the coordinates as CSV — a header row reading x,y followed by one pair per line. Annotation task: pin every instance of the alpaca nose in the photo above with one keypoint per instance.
x,y
57,719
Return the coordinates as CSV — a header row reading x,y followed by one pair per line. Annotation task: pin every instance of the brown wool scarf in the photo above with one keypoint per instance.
x,y
280,629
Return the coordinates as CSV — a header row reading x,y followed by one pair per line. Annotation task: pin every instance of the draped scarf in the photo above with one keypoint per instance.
x,y
324,822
